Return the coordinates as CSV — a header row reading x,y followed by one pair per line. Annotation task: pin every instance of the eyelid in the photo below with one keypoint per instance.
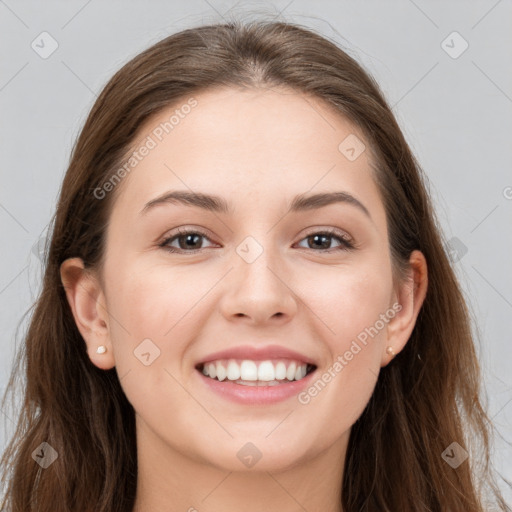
x,y
330,231
186,231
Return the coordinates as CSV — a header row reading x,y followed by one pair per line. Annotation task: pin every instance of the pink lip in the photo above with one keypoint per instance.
x,y
256,395
258,354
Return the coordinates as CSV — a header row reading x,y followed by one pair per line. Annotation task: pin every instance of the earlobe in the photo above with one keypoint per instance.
x,y
87,303
410,297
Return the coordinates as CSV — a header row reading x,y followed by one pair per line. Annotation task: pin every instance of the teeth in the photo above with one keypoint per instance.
x,y
290,373
255,373
221,372
258,383
233,371
212,371
280,371
248,370
266,371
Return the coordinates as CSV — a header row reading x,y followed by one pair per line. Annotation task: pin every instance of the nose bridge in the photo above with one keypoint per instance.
x,y
258,282
257,261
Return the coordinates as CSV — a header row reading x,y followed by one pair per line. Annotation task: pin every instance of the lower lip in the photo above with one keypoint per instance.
x,y
256,395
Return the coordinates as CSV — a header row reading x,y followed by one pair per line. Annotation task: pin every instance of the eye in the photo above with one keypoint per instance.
x,y
190,241
187,239
323,238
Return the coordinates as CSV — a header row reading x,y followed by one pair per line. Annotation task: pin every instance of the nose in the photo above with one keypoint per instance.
x,y
259,291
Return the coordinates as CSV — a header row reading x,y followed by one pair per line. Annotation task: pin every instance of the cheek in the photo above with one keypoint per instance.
x,y
152,320
356,309
151,324
351,303
152,303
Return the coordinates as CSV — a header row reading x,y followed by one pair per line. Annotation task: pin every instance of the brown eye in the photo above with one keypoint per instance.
x,y
188,241
191,241
322,240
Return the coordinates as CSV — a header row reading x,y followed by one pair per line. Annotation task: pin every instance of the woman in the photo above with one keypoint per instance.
x,y
313,351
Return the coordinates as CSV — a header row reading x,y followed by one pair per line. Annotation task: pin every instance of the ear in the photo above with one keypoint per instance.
x,y
87,302
410,297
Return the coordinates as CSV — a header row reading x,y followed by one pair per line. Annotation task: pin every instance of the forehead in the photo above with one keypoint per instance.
x,y
246,144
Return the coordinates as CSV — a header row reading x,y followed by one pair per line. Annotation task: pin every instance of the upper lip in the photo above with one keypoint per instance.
x,y
258,354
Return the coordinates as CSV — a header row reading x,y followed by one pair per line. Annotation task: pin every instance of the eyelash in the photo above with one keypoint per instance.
x,y
346,244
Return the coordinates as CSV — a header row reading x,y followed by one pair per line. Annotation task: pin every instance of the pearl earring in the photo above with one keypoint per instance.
x,y
101,349
389,350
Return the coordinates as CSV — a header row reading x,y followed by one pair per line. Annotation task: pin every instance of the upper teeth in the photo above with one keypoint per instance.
x,y
248,370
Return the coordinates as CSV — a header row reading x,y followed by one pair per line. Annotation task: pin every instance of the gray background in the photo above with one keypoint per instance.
x,y
455,111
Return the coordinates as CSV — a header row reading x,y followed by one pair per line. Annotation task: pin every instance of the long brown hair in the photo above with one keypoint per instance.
x,y
427,398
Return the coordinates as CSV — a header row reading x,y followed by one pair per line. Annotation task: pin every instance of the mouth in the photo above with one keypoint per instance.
x,y
248,372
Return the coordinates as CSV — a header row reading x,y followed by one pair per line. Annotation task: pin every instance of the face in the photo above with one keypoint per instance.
x,y
256,287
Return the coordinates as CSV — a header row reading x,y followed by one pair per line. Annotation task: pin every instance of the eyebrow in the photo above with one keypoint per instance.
x,y
217,204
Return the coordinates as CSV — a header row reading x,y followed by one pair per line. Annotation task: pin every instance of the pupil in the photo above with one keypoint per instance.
x,y
316,237
188,238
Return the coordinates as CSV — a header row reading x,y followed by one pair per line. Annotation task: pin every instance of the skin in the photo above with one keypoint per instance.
x,y
257,149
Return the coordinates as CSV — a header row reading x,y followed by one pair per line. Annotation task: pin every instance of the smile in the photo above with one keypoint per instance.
x,y
248,372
